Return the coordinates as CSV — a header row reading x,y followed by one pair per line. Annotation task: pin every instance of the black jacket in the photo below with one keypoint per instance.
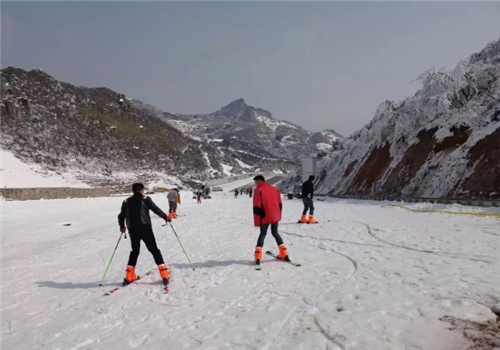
x,y
135,211
307,188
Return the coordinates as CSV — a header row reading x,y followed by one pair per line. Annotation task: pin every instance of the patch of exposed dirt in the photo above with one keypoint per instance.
x,y
411,163
482,336
372,170
459,137
485,180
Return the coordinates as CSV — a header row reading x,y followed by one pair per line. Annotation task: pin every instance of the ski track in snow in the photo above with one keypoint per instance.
x,y
358,287
458,256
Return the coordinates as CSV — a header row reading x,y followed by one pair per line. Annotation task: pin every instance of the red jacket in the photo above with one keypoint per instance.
x,y
267,205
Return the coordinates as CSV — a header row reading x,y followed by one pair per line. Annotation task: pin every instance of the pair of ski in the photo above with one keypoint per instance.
x,y
149,273
308,223
259,267
304,223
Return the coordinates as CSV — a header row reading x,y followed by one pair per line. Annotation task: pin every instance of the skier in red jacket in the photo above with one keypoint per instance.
x,y
267,208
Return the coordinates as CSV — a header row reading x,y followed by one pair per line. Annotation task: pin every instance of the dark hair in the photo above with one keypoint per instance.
x,y
137,187
312,177
259,178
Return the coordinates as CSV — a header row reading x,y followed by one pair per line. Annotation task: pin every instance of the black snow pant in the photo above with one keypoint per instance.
x,y
308,205
250,194
172,207
144,233
263,233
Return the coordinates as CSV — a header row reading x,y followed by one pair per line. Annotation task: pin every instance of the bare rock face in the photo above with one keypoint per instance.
x,y
93,131
442,142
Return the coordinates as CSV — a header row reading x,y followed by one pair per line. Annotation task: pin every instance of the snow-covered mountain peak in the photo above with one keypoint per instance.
x,y
248,131
441,142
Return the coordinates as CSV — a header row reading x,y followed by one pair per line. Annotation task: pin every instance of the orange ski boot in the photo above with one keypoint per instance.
x,y
174,215
283,253
258,255
131,276
303,219
312,220
164,274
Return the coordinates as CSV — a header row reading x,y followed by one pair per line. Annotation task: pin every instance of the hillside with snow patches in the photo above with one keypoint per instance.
x,y
250,134
442,142
103,138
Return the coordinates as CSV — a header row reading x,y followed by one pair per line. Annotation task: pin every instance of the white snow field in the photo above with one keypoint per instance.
x,y
15,173
373,277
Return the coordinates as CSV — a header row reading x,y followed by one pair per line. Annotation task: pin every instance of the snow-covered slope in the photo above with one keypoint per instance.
x,y
252,136
442,142
373,278
16,174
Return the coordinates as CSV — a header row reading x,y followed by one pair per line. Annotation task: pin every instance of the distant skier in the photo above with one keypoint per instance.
x,y
174,198
250,192
135,213
236,193
267,208
307,199
199,194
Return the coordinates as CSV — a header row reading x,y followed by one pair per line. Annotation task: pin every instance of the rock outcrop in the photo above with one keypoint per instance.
x,y
442,142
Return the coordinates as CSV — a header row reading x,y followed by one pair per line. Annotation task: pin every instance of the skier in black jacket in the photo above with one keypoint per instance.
x,y
307,199
135,213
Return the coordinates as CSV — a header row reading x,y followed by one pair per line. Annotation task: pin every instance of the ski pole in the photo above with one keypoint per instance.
x,y
180,243
110,260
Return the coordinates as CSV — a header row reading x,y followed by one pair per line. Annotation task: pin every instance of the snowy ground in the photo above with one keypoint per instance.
x,y
16,174
373,277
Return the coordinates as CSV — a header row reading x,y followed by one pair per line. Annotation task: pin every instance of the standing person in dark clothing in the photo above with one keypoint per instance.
x,y
236,193
267,208
307,199
135,214
250,192
173,197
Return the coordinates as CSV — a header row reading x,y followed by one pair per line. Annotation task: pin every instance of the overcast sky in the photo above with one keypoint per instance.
x,y
321,65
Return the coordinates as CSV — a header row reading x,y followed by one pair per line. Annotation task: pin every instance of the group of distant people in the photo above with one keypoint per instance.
x,y
267,211
202,192
248,191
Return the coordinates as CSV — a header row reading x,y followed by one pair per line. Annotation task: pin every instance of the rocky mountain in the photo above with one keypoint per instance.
x,y
102,136
253,137
98,133
442,142
326,140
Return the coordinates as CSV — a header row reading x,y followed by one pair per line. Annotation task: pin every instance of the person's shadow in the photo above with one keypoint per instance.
x,y
71,285
212,263
196,265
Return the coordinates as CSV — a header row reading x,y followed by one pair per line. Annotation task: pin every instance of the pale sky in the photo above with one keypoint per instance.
x,y
320,65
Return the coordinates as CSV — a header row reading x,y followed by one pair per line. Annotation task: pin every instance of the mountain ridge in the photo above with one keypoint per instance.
x,y
239,120
97,133
441,142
